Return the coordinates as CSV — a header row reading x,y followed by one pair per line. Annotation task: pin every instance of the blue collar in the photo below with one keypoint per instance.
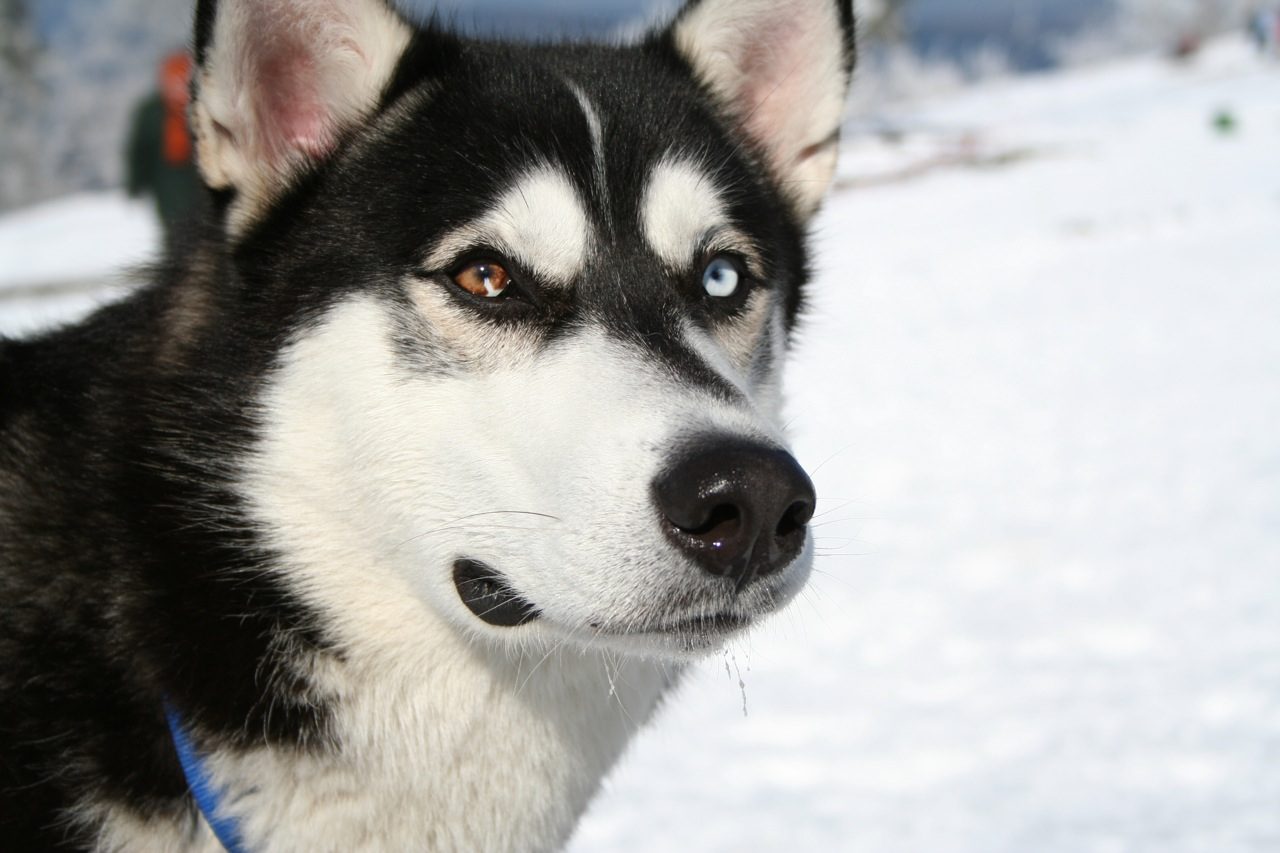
x,y
206,794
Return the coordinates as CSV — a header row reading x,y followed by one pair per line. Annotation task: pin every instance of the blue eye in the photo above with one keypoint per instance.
x,y
721,278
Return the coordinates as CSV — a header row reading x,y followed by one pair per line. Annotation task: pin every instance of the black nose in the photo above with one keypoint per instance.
x,y
737,509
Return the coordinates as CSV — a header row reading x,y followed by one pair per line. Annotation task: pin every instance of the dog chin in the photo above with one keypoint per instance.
x,y
688,640
695,636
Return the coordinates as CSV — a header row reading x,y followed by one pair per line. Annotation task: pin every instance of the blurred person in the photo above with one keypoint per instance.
x,y
1264,26
159,157
1187,46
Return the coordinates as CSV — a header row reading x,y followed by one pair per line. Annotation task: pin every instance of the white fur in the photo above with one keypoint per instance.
x,y
596,126
681,207
119,830
444,753
778,66
540,221
281,81
739,342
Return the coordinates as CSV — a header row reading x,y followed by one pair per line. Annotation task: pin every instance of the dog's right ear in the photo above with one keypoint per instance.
x,y
277,84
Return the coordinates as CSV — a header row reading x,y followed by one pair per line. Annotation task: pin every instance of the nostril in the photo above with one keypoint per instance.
x,y
723,520
795,519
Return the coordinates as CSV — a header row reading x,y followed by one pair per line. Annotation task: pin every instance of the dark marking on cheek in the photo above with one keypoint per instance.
x,y
688,366
763,363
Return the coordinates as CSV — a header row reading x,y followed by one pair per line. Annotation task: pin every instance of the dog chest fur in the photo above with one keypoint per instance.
x,y
494,755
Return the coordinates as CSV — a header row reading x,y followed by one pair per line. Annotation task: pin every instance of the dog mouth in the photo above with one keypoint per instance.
x,y
706,627
487,594
493,600
688,638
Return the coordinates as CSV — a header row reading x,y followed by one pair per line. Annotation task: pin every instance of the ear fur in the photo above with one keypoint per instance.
x,y
279,81
781,69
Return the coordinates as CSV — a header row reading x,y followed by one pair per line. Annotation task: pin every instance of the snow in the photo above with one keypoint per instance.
x,y
1039,390
60,259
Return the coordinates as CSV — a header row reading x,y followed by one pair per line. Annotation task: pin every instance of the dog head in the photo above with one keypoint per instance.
x,y
531,305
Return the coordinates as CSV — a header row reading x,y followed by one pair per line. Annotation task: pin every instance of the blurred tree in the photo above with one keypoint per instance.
x,y
20,96
882,21
16,44
79,68
1178,26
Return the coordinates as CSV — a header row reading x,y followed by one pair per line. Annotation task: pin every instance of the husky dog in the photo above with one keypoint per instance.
x,y
386,514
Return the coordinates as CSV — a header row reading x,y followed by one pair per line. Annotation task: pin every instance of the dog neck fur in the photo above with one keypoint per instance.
x,y
499,754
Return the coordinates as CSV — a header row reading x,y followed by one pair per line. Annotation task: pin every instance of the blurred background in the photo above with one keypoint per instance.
x,y
1038,388
71,71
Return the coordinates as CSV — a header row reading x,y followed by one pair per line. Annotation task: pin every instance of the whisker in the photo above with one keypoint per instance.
x,y
843,505
555,648
833,576
835,521
839,452
456,524
613,687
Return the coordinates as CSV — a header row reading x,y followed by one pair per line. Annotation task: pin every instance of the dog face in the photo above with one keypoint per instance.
x,y
538,301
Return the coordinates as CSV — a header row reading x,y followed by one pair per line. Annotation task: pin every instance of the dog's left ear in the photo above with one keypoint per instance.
x,y
781,69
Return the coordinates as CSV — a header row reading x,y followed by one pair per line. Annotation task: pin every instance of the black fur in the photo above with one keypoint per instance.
x,y
205,12
130,573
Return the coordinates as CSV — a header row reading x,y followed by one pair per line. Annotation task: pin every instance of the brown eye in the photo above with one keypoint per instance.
x,y
483,279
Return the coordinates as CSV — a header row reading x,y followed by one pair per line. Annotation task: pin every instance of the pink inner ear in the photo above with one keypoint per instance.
x,y
772,74
292,116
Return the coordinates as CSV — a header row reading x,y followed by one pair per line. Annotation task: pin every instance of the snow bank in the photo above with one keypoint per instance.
x,y
77,238
60,259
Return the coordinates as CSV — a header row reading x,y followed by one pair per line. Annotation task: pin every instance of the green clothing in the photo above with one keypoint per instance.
x,y
176,187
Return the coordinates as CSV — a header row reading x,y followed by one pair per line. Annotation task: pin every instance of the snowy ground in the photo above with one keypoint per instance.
x,y
60,259
1040,388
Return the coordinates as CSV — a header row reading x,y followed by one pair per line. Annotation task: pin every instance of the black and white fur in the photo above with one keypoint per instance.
x,y
252,490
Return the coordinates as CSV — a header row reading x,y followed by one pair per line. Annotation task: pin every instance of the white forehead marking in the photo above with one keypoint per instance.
x,y
681,207
540,222
596,127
